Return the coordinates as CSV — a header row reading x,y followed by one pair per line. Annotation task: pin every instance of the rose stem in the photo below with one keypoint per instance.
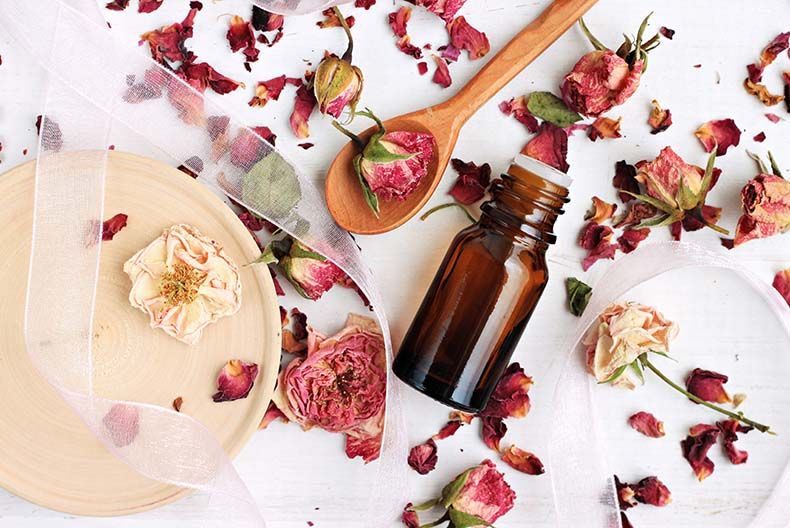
x,y
735,416
353,137
350,48
432,210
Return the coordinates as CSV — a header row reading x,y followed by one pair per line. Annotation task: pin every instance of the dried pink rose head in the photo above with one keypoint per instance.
x,y
337,84
671,180
599,81
622,333
235,380
423,457
311,273
766,208
708,385
340,386
480,492
184,281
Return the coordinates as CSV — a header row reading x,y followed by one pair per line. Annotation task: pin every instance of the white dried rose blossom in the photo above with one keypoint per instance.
x,y
623,332
184,281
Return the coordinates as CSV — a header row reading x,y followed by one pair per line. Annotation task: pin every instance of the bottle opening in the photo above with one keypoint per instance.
x,y
547,172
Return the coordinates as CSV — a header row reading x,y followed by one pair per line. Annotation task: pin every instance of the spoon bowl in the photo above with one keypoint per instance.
x,y
344,195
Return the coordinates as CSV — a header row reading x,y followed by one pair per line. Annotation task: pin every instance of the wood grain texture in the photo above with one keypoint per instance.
x,y
344,195
49,456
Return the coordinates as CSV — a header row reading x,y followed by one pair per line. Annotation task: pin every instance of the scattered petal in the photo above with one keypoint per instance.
x,y
550,146
600,211
708,386
652,491
304,103
442,74
235,380
759,138
720,134
523,461
331,20
666,32
167,43
445,9
647,424
517,107
782,284
149,6
595,238
422,68
660,119
117,5
695,448
630,239
625,180
398,21
729,435
773,118
423,457
449,429
510,398
472,181
409,517
493,431
761,92
111,227
271,89
122,423
464,37
604,128
404,44
177,403
625,494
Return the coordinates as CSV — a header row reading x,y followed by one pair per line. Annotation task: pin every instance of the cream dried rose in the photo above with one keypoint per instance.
x,y
625,331
184,281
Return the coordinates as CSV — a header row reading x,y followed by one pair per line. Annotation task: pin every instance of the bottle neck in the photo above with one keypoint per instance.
x,y
524,207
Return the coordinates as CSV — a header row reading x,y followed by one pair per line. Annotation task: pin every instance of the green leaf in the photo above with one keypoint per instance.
x,y
461,519
300,251
637,368
617,373
451,491
579,295
266,257
551,108
658,221
370,197
658,204
271,185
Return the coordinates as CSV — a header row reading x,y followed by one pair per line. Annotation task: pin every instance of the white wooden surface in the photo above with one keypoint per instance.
x,y
299,477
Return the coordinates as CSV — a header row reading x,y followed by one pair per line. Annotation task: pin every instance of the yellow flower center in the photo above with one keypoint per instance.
x,y
180,285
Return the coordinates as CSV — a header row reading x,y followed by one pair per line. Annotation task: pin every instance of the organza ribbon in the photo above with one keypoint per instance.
x,y
583,485
97,84
297,7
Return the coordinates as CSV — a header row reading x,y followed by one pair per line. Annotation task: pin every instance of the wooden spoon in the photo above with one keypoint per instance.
x,y
343,191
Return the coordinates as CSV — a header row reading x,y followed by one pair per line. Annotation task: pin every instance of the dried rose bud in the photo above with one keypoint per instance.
x,y
720,134
647,424
423,457
310,273
523,461
391,164
624,332
235,380
652,491
604,78
480,492
336,85
696,446
766,208
660,119
708,386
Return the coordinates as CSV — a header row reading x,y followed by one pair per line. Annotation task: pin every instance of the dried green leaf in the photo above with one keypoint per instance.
x,y
551,108
579,295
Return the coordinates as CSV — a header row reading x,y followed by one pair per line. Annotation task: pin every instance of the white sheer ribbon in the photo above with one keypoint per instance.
x,y
97,83
297,7
584,492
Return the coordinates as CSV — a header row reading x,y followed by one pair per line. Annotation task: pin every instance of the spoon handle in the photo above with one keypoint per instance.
x,y
515,56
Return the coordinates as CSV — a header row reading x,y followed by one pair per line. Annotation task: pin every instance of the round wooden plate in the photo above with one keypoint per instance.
x,y
47,455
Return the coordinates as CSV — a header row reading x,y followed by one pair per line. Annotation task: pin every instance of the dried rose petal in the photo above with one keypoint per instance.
x,y
782,284
271,89
404,45
600,211
729,435
550,146
368,448
246,149
445,9
660,119
510,398
493,430
708,386
304,103
273,413
465,37
422,68
448,430
625,180
517,107
398,21
652,491
201,75
666,32
472,181
696,446
442,74
423,457
630,239
409,517
177,403
595,239
117,5
122,423
463,417
450,53
761,92
523,461
759,138
111,227
149,6
773,118
292,345
647,424
625,494
604,128
331,20
235,380
167,43
720,134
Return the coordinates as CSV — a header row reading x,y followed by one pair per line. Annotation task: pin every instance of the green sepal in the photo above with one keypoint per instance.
x,y
266,256
579,295
370,197
451,491
615,375
658,204
707,178
285,264
637,368
597,44
299,251
659,221
774,166
551,108
459,519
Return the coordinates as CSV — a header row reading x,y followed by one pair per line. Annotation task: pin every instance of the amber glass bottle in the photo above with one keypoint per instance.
x,y
485,291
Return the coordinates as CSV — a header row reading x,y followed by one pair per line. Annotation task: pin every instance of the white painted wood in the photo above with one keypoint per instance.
x,y
723,327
